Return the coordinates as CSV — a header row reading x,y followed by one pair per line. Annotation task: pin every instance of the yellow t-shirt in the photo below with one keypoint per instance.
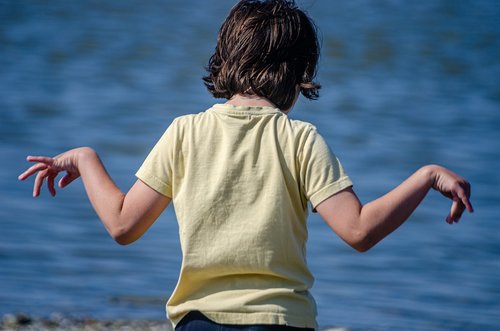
x,y
240,179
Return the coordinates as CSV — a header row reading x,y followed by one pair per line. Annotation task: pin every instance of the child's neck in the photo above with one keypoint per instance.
x,y
249,100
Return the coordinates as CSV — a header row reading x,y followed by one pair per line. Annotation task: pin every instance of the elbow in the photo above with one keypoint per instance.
x,y
122,240
122,231
362,247
122,237
362,242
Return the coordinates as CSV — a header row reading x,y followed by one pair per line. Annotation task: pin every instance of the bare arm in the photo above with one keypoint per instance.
x,y
125,216
364,226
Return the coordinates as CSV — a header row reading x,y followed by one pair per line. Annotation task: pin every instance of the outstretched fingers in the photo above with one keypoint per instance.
x,y
456,211
42,159
42,169
39,179
465,198
50,184
48,168
461,202
33,170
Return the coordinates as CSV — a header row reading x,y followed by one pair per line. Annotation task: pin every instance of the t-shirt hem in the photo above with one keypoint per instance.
x,y
257,318
154,182
329,190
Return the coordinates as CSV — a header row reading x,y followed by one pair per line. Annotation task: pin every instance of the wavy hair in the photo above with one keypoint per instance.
x,y
265,48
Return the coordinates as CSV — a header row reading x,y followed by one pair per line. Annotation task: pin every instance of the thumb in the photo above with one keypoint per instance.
x,y
456,210
67,179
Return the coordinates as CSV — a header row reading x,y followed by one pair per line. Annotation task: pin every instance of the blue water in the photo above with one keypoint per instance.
x,y
404,84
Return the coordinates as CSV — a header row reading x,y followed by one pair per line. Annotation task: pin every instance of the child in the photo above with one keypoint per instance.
x,y
240,176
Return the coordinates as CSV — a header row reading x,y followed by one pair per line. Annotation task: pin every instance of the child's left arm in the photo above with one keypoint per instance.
x,y
125,216
362,226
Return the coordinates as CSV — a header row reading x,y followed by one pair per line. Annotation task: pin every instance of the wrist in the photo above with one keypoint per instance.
x,y
430,172
84,155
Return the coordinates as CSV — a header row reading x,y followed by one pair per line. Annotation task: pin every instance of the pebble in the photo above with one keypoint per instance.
x,y
58,322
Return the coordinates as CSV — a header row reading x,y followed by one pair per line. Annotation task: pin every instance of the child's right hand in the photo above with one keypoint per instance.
x,y
50,167
454,187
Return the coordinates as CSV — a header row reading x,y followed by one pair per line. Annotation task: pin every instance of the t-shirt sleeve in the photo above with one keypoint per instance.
x,y
322,174
156,170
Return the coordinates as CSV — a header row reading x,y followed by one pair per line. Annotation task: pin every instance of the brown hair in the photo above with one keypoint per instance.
x,y
265,48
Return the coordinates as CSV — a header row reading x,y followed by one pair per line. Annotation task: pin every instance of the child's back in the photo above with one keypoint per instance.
x,y
240,178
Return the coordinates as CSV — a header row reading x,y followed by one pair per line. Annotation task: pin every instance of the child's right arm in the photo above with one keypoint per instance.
x,y
363,226
125,216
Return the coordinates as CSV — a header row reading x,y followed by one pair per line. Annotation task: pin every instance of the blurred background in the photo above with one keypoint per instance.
x,y
405,83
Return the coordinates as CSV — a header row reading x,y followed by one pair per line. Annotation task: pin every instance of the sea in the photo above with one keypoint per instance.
x,y
404,84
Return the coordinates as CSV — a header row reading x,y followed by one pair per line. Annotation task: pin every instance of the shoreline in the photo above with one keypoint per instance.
x,y
57,322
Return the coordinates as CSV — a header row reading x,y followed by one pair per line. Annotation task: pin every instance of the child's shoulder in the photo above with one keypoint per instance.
x,y
188,118
303,128
301,124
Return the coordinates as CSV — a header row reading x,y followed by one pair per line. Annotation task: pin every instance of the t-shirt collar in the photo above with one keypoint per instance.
x,y
250,110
